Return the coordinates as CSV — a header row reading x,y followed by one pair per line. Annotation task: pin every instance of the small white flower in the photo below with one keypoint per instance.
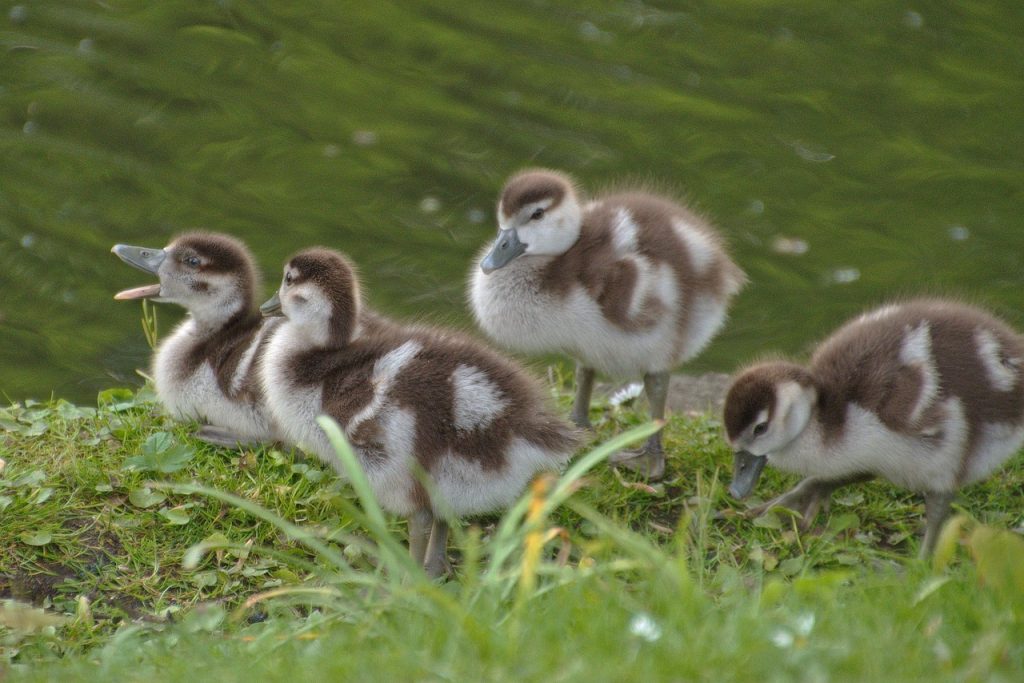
x,y
802,627
644,627
782,638
804,623
626,394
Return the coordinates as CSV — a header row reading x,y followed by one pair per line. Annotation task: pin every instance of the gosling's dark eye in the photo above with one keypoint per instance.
x,y
192,261
288,278
760,429
537,214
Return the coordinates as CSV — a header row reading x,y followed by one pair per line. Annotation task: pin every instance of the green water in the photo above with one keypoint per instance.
x,y
887,137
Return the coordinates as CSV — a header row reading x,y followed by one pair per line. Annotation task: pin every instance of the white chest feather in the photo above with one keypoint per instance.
x,y
512,309
197,395
920,463
294,407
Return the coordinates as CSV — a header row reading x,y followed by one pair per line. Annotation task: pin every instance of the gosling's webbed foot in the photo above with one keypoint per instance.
x,y
806,499
646,461
809,497
218,436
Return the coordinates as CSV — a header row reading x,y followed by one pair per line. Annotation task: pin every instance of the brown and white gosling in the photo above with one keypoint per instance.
x,y
204,370
409,399
927,394
628,284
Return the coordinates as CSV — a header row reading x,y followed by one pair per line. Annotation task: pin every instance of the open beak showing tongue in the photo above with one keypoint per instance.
x,y
144,259
146,292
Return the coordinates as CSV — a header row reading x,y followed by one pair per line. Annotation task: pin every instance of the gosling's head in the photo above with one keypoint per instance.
x,y
767,407
539,214
320,294
214,276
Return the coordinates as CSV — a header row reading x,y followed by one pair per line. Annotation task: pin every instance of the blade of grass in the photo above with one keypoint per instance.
x,y
392,552
149,324
627,540
194,554
309,591
506,537
292,531
565,485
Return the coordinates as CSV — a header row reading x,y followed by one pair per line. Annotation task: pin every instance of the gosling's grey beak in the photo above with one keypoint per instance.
x,y
746,470
272,307
505,248
142,258
145,259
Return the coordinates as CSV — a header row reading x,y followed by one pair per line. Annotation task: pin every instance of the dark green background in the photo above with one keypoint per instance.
x,y
870,130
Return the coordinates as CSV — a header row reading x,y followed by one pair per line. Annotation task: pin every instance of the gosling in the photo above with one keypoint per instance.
x,y
628,284
410,400
927,394
204,370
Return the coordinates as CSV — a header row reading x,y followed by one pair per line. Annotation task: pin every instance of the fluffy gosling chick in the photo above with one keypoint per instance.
x,y
927,394
204,370
409,399
628,284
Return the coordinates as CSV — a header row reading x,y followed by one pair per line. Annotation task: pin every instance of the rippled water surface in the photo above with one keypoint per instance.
x,y
848,151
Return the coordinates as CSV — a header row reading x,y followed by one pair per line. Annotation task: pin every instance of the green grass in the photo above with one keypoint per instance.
x,y
246,563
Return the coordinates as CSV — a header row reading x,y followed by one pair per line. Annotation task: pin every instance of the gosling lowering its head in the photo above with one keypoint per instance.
x,y
628,284
204,369
927,394
408,399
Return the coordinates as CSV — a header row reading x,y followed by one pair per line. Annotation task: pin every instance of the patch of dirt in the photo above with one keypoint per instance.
x,y
35,581
665,514
698,393
33,587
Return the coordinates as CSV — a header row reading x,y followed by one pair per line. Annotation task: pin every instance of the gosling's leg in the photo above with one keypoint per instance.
x,y
808,497
419,534
218,436
936,510
649,460
436,561
584,388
